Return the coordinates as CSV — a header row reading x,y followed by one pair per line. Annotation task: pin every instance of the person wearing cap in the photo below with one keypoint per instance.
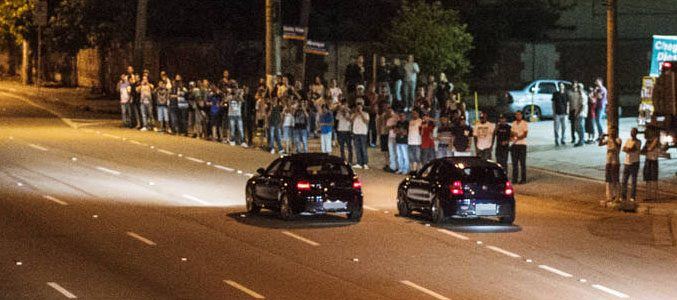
x,y
484,137
502,134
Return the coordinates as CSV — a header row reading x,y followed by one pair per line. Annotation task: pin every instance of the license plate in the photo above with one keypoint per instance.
x,y
485,209
334,205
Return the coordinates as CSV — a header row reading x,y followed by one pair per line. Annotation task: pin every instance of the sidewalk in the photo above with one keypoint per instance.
x,y
547,164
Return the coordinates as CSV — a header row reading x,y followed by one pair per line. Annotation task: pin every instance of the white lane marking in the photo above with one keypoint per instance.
x,y
55,200
244,289
556,271
111,136
196,199
34,146
369,208
19,184
610,291
239,172
300,238
102,169
220,167
454,234
138,143
424,290
503,251
250,175
165,151
61,290
140,238
197,160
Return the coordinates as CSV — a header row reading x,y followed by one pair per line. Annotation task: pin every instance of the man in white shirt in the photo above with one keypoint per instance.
x,y
484,137
343,132
631,165
414,140
360,129
518,134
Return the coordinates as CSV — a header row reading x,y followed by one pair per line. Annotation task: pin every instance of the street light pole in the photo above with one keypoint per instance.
x,y
272,40
140,34
612,101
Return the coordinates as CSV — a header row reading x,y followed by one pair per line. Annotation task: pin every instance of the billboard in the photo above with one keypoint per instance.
x,y
664,49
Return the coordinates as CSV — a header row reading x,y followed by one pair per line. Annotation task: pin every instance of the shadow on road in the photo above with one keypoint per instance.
x,y
481,225
271,219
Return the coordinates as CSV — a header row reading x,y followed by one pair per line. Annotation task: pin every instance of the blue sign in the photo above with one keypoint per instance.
x,y
664,49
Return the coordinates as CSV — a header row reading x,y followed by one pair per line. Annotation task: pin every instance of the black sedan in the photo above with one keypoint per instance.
x,y
458,187
306,184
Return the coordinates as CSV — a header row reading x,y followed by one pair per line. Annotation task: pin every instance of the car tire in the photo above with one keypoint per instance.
x,y
355,214
403,208
526,113
286,212
507,220
250,202
436,212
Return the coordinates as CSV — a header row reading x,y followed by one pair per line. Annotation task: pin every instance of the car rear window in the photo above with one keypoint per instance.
x,y
324,168
482,175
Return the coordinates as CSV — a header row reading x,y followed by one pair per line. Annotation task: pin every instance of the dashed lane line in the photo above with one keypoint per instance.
x,y
193,159
141,239
34,146
300,238
55,200
454,234
610,291
503,251
220,167
244,289
424,290
109,171
112,136
369,208
165,151
195,199
555,271
62,290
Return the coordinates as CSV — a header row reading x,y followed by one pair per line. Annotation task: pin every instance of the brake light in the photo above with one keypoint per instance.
x,y
357,184
667,66
303,186
456,188
508,189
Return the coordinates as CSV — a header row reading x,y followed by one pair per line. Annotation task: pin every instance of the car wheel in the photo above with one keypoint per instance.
x,y
436,212
286,212
526,112
355,214
509,219
402,207
252,207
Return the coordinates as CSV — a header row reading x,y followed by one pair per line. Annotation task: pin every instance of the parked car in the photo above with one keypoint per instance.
x,y
539,93
458,187
306,184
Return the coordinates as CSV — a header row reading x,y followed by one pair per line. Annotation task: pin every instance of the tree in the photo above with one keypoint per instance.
x,y
434,35
16,18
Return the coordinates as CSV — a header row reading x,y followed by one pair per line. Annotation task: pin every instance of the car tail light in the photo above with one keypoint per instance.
x,y
508,191
303,186
357,184
456,188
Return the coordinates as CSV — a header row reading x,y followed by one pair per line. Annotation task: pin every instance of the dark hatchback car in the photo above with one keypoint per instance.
x,y
458,187
306,184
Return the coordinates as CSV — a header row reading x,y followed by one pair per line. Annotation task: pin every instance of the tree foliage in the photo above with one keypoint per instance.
x,y
434,35
16,17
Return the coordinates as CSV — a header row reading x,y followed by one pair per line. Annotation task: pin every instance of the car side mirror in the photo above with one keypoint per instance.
x,y
260,171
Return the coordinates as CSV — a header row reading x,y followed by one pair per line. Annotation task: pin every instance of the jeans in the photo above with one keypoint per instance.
x,y
392,154
398,90
573,120
344,139
409,93
145,114
598,122
325,142
560,126
183,120
174,118
415,153
580,122
301,140
629,171
403,158
125,110
444,151
361,155
484,154
162,113
519,160
502,156
135,114
236,121
373,135
274,136
427,154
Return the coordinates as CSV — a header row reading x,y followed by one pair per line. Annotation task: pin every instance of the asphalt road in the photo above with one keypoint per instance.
x,y
100,212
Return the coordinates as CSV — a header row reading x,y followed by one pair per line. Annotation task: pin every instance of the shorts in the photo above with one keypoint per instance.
x,y
650,172
384,142
612,173
414,153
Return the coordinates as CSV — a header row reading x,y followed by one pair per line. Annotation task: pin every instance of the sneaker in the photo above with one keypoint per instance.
x,y
366,167
143,129
244,145
272,151
281,152
231,143
356,166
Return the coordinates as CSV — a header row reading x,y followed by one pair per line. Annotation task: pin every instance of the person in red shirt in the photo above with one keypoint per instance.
x,y
427,141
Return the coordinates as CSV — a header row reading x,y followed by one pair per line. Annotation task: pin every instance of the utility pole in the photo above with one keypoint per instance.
x,y
612,101
303,22
140,34
272,40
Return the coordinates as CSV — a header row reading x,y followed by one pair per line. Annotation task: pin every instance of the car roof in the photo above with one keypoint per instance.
x,y
314,157
469,161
